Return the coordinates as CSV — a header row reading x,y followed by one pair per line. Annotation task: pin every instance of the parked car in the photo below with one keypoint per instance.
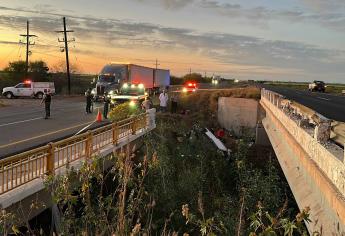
x,y
316,85
29,89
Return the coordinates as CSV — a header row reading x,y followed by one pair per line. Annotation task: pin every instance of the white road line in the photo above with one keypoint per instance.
x,y
22,121
327,99
84,128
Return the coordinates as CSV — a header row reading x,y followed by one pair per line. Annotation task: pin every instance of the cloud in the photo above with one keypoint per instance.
x,y
324,5
169,4
260,55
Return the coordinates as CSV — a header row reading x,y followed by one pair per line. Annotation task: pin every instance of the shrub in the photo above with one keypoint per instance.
x,y
124,111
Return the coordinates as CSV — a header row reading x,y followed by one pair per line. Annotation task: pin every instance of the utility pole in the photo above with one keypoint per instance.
x,y
157,64
28,44
66,41
190,71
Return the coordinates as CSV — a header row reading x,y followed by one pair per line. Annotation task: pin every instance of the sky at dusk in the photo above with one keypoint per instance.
x,y
291,40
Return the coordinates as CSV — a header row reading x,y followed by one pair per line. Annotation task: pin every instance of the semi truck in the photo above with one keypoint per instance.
x,y
29,89
114,76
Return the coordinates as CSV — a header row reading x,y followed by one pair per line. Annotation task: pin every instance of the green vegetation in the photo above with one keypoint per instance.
x,y
198,78
178,183
15,73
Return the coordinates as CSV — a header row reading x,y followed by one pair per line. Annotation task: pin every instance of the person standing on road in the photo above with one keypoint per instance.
x,y
163,98
47,99
174,100
106,106
88,97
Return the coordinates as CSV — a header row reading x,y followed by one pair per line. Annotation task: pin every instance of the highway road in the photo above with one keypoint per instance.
x,y
22,126
329,105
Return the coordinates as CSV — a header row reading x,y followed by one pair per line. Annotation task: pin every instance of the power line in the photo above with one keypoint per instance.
x,y
66,41
28,44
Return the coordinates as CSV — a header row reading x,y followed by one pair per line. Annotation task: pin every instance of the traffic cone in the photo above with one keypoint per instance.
x,y
99,116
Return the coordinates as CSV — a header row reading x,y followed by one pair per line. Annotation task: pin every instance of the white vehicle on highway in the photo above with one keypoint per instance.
x,y
29,89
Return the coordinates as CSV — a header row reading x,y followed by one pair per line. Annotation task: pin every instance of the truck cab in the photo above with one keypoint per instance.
x,y
109,79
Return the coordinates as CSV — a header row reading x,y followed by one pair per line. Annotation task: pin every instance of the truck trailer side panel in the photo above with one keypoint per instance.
x,y
141,75
162,78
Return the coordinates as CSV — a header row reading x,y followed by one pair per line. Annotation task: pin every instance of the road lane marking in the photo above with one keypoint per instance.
x,y
22,121
84,128
42,135
327,99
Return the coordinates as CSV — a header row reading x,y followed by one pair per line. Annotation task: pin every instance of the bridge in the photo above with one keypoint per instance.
x,y
311,154
22,176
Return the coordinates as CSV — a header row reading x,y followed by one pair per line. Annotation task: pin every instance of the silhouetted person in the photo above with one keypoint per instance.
x,y
106,106
88,96
47,99
174,101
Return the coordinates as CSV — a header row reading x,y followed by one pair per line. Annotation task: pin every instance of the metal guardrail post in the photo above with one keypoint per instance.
x,y
50,159
134,125
115,132
88,145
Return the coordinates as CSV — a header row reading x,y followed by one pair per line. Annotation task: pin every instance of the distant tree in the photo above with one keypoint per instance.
x,y
16,71
174,80
60,67
197,78
39,71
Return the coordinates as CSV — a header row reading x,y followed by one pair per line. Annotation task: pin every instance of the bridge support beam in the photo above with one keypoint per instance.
x,y
308,183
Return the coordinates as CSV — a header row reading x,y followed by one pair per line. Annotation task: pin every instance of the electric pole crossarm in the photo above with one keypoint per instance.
x,y
28,44
66,41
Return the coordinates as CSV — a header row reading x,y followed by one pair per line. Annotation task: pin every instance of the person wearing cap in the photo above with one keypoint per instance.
x,y
47,99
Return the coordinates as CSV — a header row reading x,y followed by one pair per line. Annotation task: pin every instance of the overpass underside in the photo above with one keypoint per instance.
x,y
310,183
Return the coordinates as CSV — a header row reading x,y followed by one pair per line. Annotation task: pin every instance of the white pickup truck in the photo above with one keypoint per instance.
x,y
29,89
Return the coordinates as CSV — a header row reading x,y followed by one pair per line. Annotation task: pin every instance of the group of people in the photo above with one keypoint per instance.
x,y
163,101
146,104
89,101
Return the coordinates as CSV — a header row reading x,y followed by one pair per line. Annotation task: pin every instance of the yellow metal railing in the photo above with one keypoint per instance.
x,y
22,168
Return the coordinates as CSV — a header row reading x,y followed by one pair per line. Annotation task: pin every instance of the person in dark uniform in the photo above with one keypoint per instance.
x,y
47,99
174,100
88,97
106,106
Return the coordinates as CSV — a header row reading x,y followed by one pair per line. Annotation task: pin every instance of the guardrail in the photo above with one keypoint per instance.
x,y
22,168
326,129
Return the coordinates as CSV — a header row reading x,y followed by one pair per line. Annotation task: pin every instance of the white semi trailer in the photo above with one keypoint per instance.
x,y
113,76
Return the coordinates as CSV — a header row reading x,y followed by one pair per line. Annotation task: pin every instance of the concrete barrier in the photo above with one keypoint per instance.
x,y
318,162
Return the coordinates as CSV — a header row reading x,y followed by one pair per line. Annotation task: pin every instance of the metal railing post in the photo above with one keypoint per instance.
x,y
115,131
134,125
50,159
88,145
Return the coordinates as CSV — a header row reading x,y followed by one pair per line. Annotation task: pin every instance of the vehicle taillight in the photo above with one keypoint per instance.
x,y
190,84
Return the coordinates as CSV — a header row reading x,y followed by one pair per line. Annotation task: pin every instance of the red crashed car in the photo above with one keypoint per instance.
x,y
189,87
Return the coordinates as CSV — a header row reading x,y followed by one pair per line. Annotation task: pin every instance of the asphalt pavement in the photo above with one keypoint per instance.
x,y
329,105
22,126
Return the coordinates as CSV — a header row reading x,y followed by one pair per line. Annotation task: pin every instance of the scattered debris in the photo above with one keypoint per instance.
x,y
216,141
